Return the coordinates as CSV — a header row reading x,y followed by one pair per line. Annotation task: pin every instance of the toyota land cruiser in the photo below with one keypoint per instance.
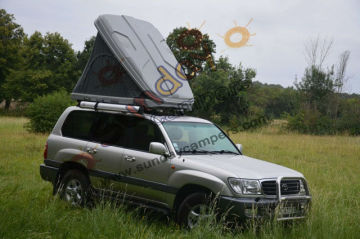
x,y
172,164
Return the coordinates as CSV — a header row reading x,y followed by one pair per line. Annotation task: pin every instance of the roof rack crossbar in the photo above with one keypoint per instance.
x,y
110,107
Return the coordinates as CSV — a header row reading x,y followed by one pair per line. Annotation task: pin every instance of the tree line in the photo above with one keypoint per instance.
x,y
34,66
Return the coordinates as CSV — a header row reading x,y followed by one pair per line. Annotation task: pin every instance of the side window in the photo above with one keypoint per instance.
x,y
110,129
139,133
78,124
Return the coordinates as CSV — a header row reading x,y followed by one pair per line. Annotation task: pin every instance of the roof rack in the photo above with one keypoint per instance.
x,y
110,107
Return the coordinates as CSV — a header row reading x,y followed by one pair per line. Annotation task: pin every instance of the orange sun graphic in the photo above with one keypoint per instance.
x,y
243,31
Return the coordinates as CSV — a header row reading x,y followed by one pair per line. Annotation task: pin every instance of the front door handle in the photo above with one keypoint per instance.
x,y
129,158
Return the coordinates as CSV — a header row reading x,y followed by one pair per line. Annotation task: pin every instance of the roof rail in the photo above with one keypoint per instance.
x,y
110,107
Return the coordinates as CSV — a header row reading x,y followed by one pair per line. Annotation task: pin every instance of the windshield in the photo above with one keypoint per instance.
x,y
198,138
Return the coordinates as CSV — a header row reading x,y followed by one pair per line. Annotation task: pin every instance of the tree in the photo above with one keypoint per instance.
x,y
316,85
84,55
49,65
339,82
12,36
221,95
320,90
192,49
316,51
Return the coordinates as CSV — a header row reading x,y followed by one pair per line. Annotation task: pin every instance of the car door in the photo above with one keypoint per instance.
x,y
71,145
145,173
105,152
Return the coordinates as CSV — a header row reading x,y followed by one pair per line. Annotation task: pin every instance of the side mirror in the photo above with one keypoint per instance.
x,y
157,148
240,147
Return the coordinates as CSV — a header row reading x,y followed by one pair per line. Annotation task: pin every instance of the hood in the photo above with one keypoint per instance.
x,y
239,166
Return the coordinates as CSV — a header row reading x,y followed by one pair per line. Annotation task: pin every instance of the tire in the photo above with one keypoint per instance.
x,y
75,188
193,208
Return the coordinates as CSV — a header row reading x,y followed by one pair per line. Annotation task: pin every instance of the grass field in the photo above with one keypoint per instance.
x,y
331,165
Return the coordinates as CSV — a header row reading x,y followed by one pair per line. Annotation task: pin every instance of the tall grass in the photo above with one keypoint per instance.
x,y
330,164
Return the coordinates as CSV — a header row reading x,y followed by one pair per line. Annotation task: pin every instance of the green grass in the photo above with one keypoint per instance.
x,y
331,165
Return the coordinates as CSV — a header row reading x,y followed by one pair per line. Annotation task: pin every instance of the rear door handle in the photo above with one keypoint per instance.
x,y
91,150
130,158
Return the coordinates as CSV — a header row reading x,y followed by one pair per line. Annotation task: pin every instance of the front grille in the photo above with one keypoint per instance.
x,y
269,187
288,187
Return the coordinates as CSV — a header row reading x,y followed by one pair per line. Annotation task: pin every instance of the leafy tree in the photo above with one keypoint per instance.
x,y
273,100
316,86
192,49
12,36
349,120
84,55
321,91
221,95
49,64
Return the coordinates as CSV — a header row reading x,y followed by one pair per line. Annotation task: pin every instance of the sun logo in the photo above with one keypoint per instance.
x,y
243,31
189,27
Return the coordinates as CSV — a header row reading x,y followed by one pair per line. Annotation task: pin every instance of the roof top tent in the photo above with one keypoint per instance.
x,y
131,64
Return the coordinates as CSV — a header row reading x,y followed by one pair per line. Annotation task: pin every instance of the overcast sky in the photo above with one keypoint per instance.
x,y
281,27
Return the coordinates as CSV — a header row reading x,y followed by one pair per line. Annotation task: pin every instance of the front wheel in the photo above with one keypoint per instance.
x,y
194,209
75,188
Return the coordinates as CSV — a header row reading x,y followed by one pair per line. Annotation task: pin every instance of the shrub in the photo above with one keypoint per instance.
x,y
45,111
310,122
349,120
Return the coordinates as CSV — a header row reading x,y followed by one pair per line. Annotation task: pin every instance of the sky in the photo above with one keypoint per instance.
x,y
276,50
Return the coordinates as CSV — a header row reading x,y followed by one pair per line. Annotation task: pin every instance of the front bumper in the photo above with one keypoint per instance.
x,y
285,209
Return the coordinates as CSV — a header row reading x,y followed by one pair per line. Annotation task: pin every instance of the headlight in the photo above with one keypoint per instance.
x,y
245,186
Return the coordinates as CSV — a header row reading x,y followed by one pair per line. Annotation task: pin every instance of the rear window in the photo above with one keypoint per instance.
x,y
78,124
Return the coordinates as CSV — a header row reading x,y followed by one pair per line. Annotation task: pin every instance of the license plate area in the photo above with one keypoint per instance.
x,y
288,209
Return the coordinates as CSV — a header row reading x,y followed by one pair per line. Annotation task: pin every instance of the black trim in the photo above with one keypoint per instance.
x,y
132,199
121,178
52,163
135,181
48,173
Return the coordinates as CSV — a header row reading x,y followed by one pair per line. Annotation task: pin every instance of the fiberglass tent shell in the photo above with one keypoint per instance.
x,y
131,64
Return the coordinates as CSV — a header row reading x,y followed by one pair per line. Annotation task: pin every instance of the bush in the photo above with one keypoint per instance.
x,y
45,111
349,120
311,122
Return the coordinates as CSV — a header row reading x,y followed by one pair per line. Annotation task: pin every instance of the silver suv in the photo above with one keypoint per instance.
x,y
175,164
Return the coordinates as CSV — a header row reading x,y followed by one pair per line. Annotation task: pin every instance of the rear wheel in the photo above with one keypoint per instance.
x,y
194,209
75,188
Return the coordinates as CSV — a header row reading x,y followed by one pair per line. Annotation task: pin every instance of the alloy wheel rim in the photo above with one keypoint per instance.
x,y
196,214
73,192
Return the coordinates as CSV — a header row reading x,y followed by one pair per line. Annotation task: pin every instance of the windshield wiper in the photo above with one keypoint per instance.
x,y
224,151
194,151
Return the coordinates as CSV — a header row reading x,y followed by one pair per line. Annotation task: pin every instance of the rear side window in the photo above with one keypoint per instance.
x,y
79,124
112,129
